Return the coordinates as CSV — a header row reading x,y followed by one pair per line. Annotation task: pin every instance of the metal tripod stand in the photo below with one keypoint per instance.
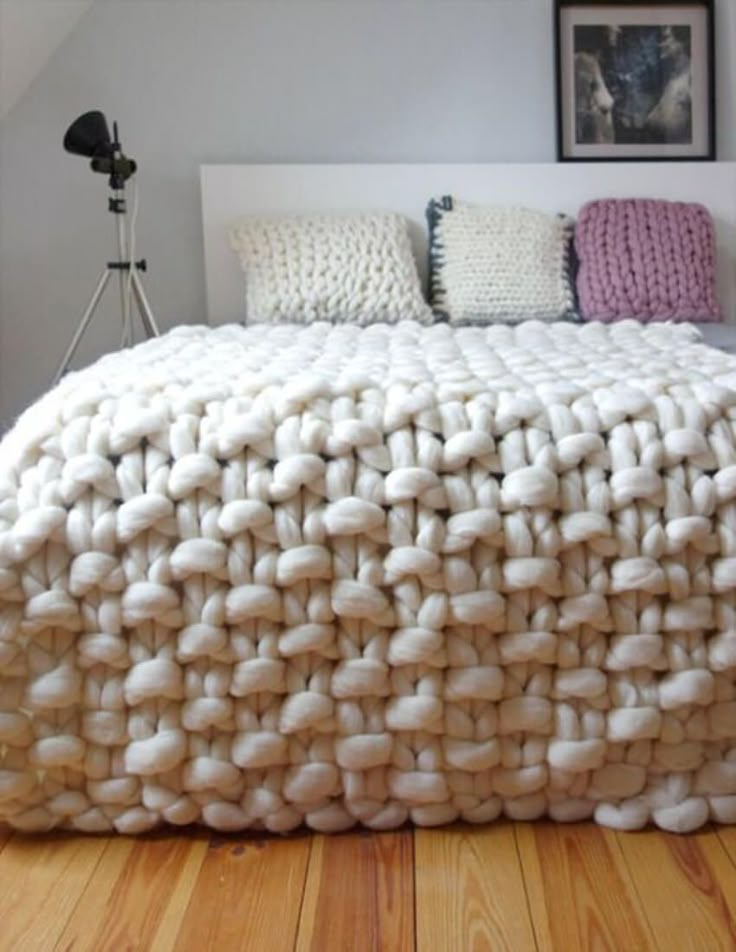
x,y
129,279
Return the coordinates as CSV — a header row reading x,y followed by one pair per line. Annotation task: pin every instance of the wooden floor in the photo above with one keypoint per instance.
x,y
508,886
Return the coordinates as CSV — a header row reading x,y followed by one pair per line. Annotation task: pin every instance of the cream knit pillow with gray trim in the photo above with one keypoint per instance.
x,y
357,269
499,264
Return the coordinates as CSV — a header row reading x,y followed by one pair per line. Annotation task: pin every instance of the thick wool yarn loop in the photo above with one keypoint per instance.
x,y
260,577
646,259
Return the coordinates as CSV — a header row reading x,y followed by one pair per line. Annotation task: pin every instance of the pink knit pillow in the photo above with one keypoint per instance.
x,y
650,260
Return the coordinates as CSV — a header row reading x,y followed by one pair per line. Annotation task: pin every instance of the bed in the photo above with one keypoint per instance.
x,y
259,577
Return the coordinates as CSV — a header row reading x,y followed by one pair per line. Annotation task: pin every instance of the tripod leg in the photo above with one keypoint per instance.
x,y
123,275
83,325
147,318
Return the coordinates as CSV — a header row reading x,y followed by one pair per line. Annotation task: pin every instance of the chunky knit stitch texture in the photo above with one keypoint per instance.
x,y
343,268
255,577
645,259
498,264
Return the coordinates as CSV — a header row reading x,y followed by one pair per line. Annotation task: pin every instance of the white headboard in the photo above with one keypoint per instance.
x,y
230,191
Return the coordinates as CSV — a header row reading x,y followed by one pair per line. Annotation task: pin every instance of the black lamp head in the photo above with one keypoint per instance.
x,y
89,135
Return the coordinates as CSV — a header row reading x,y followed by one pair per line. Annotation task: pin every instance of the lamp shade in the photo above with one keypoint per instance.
x,y
88,135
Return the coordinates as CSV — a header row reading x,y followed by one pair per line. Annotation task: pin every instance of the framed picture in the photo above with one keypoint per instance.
x,y
635,80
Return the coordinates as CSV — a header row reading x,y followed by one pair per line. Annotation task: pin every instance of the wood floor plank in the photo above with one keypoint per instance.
x,y
359,893
579,888
41,880
168,930
5,834
128,902
470,890
247,896
688,887
727,837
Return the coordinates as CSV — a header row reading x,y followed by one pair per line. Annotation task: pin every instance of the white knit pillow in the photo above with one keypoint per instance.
x,y
354,268
498,264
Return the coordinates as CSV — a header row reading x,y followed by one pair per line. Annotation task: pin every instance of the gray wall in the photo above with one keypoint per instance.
x,y
195,81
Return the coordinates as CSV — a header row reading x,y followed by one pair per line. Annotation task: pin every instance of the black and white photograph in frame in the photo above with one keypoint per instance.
x,y
635,80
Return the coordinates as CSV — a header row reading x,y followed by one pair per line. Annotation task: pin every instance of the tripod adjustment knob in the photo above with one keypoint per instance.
x,y
141,265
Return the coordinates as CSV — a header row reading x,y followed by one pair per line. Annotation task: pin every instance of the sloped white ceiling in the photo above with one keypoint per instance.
x,y
30,32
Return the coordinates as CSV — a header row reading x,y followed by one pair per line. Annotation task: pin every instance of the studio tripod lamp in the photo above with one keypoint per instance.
x,y
89,136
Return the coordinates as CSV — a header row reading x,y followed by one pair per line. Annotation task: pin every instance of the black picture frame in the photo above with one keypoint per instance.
x,y
574,143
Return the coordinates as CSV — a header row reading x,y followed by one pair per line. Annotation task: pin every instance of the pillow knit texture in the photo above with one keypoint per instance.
x,y
646,259
498,264
340,268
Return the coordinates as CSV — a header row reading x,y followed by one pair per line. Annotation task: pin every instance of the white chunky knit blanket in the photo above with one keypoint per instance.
x,y
258,577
